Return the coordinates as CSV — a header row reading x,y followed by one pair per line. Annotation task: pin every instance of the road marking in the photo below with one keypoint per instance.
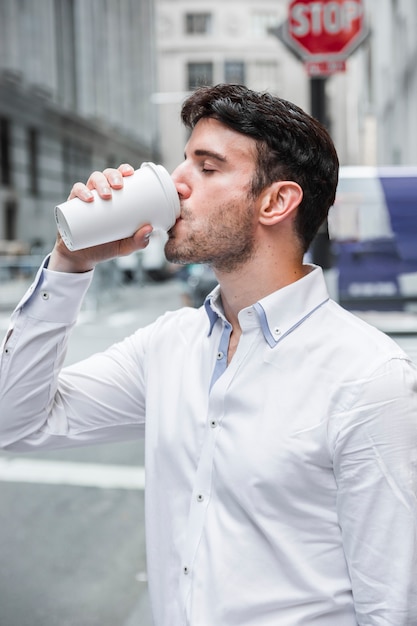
x,y
18,470
122,319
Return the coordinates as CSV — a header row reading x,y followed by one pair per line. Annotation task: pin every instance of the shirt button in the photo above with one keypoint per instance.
x,y
200,497
185,570
213,423
45,295
220,355
277,331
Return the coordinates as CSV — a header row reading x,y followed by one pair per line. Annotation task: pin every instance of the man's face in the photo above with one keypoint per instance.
x,y
218,218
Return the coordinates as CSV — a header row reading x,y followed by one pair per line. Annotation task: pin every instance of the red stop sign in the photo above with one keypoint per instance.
x,y
327,28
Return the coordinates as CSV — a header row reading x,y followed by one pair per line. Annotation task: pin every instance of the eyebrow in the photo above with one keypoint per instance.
x,y
211,154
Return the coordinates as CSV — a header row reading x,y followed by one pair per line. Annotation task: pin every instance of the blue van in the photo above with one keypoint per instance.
x,y
373,229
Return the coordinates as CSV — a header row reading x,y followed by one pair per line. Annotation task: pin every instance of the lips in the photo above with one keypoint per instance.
x,y
171,230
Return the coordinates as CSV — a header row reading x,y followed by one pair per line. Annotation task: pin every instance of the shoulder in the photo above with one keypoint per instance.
x,y
353,333
186,321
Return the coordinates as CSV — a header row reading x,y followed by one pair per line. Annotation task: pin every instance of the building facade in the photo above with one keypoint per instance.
x,y
378,96
76,80
390,69
370,107
85,85
209,42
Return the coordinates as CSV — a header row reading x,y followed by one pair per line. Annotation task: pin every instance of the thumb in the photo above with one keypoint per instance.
x,y
138,241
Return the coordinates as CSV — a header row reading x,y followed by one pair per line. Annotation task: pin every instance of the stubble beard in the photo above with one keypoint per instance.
x,y
225,244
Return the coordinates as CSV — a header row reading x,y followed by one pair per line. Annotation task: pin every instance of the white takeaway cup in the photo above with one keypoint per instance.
x,y
148,196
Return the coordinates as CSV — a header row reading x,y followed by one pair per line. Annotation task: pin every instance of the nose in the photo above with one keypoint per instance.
x,y
182,187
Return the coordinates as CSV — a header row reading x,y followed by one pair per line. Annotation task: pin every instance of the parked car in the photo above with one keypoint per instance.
x,y
373,226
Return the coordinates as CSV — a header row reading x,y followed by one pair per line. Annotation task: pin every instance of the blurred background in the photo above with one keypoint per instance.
x,y
88,84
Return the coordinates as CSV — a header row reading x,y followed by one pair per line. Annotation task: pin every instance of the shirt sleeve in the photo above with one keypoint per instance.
x,y
375,462
42,406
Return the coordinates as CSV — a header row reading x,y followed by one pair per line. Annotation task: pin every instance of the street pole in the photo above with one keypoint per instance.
x,y
320,249
322,35
318,98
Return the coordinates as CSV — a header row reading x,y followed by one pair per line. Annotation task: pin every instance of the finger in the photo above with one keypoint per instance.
x,y
98,181
137,242
80,190
142,235
126,169
104,182
114,177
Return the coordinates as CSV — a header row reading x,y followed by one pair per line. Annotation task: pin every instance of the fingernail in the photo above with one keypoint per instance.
x,y
106,191
116,180
86,194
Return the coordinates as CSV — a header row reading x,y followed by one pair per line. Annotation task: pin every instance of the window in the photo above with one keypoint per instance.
x,y
10,220
262,22
5,150
76,159
264,76
199,74
33,160
234,72
198,23
65,52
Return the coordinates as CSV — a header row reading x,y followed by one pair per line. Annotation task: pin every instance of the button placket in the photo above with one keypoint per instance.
x,y
198,509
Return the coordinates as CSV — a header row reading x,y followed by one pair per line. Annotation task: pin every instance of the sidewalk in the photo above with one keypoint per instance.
x,y
141,614
390,322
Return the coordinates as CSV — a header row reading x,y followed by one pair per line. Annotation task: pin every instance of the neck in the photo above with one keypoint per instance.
x,y
255,280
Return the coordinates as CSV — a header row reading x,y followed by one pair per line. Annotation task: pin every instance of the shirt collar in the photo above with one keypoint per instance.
x,y
282,311
214,307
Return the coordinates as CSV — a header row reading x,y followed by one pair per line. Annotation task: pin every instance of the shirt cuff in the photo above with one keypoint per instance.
x,y
55,296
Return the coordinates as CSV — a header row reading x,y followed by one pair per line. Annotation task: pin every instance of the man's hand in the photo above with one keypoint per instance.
x,y
63,260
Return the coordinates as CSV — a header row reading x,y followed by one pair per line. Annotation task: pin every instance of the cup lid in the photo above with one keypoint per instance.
x,y
168,187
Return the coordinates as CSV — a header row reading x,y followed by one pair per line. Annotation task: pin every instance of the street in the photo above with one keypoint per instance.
x,y
72,534
71,522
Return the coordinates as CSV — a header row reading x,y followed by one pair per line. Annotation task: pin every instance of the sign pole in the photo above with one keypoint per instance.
x,y
322,34
318,99
321,247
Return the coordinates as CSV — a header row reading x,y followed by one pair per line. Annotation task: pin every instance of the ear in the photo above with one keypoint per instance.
x,y
279,201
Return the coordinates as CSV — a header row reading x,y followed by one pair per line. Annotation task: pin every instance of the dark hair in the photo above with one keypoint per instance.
x,y
291,144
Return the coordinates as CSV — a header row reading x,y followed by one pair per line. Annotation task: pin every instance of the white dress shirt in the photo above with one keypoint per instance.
x,y
280,489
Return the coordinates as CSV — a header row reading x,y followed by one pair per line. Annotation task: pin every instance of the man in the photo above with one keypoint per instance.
x,y
280,429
